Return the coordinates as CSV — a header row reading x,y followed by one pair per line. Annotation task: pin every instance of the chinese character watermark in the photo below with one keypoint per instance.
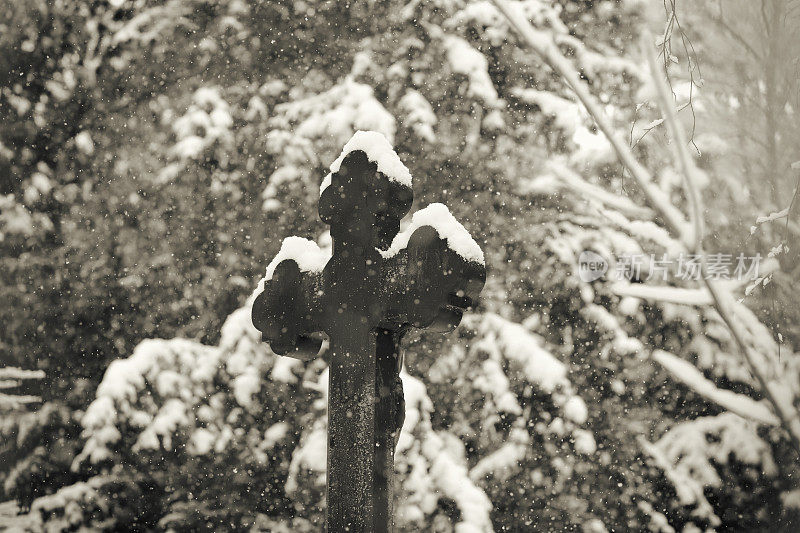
x,y
662,268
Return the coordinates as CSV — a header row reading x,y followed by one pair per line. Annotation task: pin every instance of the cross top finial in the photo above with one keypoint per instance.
x,y
367,192
426,275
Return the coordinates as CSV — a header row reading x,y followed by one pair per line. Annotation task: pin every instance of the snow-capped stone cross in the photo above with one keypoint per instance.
x,y
376,284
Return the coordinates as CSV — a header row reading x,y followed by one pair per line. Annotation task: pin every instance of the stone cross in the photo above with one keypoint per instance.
x,y
375,286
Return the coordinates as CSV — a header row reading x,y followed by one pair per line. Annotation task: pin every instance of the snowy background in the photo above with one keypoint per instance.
x,y
153,155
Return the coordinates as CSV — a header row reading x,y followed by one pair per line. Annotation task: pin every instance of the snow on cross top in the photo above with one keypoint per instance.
x,y
439,218
379,151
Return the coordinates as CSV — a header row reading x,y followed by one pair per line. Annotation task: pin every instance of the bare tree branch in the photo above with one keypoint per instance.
x,y
679,145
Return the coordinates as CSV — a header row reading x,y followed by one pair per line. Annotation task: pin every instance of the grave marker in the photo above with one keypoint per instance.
x,y
376,285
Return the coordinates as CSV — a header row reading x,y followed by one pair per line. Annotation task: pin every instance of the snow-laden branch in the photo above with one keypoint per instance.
x,y
11,372
688,233
664,294
10,378
685,160
543,45
773,216
14,401
722,300
691,452
690,376
574,181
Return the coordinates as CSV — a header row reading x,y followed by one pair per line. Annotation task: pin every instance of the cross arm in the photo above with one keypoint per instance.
x,y
432,276
288,309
